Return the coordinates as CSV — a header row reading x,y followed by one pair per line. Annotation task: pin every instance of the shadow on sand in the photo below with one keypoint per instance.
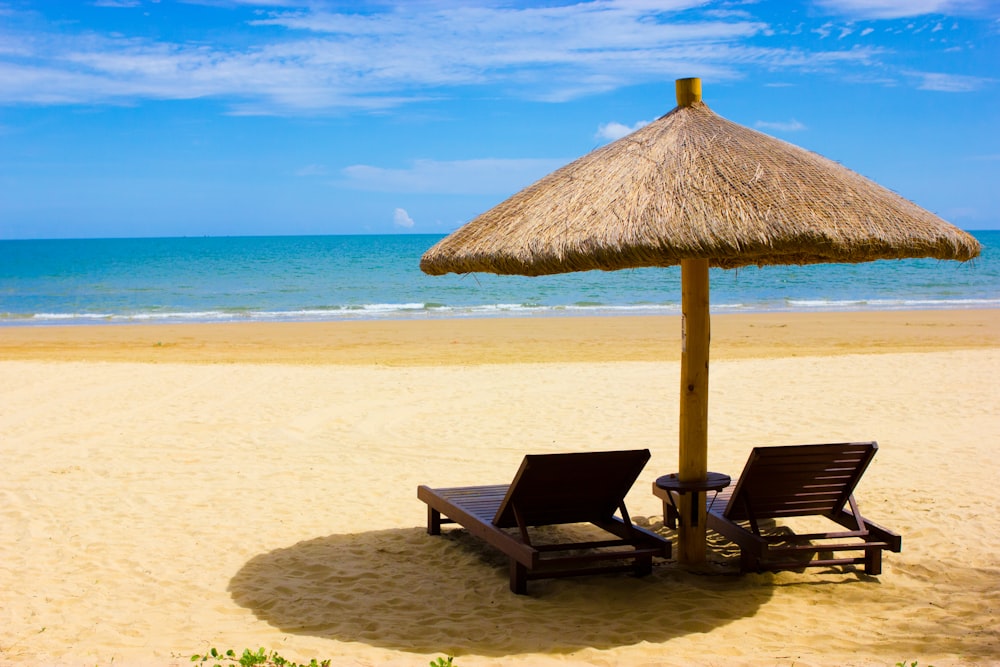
x,y
401,589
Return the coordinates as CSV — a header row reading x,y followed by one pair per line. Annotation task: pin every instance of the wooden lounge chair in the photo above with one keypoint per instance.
x,y
554,489
798,481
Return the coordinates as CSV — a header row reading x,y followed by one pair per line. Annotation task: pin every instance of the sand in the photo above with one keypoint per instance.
x,y
167,489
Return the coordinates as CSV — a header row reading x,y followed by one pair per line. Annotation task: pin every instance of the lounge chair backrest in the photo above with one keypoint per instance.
x,y
570,488
800,480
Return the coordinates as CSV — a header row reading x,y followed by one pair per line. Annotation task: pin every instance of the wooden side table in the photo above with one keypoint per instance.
x,y
665,487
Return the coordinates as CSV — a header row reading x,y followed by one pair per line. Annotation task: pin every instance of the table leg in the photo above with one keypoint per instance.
x,y
695,506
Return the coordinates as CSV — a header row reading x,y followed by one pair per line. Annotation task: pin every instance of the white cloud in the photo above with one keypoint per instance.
x,y
314,60
117,3
824,30
894,9
401,218
614,130
482,176
949,83
780,126
729,13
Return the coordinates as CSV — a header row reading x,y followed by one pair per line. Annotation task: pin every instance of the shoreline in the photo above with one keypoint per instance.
x,y
505,340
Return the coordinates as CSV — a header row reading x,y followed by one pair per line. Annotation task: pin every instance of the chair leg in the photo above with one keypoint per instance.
x,y
643,566
748,561
518,578
433,521
669,515
873,561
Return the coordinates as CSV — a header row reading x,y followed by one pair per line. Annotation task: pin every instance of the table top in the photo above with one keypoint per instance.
x,y
714,481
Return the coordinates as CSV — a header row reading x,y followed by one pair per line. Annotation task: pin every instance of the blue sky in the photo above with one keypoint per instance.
x,y
229,117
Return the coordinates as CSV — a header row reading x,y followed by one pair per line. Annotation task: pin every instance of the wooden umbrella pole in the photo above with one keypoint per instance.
x,y
695,339
693,466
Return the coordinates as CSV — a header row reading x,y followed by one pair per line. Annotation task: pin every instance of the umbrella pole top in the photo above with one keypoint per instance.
x,y
688,91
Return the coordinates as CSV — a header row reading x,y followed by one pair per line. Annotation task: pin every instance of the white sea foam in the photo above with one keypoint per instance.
x,y
890,304
416,310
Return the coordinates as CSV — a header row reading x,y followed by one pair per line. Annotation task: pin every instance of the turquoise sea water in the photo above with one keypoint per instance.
x,y
365,277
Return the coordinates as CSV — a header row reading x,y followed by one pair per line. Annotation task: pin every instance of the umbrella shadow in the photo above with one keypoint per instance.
x,y
402,589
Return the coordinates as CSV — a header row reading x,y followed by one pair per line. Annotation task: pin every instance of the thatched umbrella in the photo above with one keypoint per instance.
x,y
694,189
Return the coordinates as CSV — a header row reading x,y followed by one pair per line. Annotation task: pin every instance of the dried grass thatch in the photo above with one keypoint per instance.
x,y
693,185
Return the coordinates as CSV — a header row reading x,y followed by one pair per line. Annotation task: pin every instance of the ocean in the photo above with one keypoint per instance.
x,y
285,278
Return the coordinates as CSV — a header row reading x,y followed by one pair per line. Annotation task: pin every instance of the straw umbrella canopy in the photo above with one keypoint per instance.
x,y
695,189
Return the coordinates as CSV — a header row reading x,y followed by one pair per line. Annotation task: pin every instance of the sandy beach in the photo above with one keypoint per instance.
x,y
172,488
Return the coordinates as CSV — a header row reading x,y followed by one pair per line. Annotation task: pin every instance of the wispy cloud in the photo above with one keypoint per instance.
x,y
949,83
614,130
312,170
316,59
894,9
545,53
307,57
780,126
484,176
117,3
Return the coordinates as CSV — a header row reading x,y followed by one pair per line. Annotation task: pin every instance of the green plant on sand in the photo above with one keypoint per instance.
x,y
272,659
248,658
